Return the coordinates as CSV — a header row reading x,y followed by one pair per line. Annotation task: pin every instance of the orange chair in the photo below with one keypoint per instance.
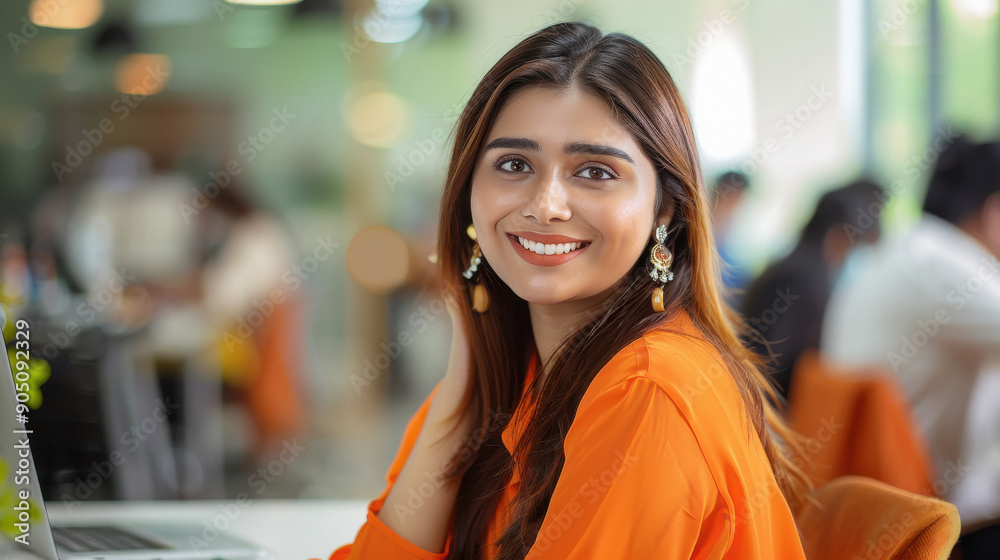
x,y
857,518
856,424
273,396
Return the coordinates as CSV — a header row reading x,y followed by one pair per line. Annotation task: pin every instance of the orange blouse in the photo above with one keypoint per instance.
x,y
661,462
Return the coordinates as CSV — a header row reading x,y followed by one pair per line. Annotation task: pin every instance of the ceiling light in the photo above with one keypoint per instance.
x,y
65,15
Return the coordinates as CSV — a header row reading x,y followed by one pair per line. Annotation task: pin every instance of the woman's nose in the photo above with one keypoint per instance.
x,y
548,201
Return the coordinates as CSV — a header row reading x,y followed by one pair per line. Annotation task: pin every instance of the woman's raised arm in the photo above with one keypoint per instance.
x,y
413,520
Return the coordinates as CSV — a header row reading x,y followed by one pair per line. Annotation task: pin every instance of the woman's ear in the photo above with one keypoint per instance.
x,y
665,216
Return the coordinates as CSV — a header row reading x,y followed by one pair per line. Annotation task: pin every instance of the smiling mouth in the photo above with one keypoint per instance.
x,y
547,254
549,248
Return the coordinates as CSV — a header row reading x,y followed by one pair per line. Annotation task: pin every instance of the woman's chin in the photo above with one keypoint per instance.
x,y
535,296
540,296
545,300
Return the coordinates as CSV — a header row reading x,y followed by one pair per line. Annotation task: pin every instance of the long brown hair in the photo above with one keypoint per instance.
x,y
641,94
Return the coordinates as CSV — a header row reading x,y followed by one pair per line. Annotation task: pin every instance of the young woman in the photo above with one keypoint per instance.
x,y
598,403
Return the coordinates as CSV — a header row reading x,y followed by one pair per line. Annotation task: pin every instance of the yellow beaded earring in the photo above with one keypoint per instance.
x,y
661,258
480,297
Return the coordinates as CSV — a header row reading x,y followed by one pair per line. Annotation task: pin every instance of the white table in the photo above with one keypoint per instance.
x,y
291,529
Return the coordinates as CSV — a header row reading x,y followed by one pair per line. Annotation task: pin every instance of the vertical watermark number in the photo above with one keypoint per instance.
x,y
22,390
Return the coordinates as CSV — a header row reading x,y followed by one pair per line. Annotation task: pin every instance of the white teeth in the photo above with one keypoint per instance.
x,y
550,249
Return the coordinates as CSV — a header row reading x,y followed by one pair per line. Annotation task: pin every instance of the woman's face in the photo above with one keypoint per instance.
x,y
562,197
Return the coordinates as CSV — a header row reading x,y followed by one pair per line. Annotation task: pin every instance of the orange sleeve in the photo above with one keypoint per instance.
x,y
635,484
375,540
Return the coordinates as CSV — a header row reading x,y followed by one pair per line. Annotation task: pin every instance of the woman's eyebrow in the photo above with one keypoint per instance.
x,y
597,149
571,148
514,144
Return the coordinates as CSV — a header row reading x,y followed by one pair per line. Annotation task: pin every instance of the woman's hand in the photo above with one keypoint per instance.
x,y
447,409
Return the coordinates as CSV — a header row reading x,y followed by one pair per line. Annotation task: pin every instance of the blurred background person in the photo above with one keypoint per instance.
x,y
144,296
119,266
728,195
252,302
926,307
785,305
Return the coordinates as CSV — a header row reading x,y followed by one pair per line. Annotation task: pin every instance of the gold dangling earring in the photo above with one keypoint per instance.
x,y
661,258
480,297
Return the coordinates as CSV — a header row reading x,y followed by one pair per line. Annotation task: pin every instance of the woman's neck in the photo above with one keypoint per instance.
x,y
552,324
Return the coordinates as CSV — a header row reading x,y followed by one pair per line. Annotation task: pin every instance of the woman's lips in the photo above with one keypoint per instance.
x,y
544,260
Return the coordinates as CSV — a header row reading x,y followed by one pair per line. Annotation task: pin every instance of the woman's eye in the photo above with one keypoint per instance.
x,y
596,173
515,166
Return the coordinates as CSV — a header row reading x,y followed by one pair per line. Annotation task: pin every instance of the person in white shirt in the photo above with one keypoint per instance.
x,y
926,307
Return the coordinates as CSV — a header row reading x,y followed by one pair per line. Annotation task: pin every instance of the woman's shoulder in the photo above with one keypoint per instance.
x,y
675,356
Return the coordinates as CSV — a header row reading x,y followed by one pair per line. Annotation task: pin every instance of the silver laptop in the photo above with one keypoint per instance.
x,y
26,523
